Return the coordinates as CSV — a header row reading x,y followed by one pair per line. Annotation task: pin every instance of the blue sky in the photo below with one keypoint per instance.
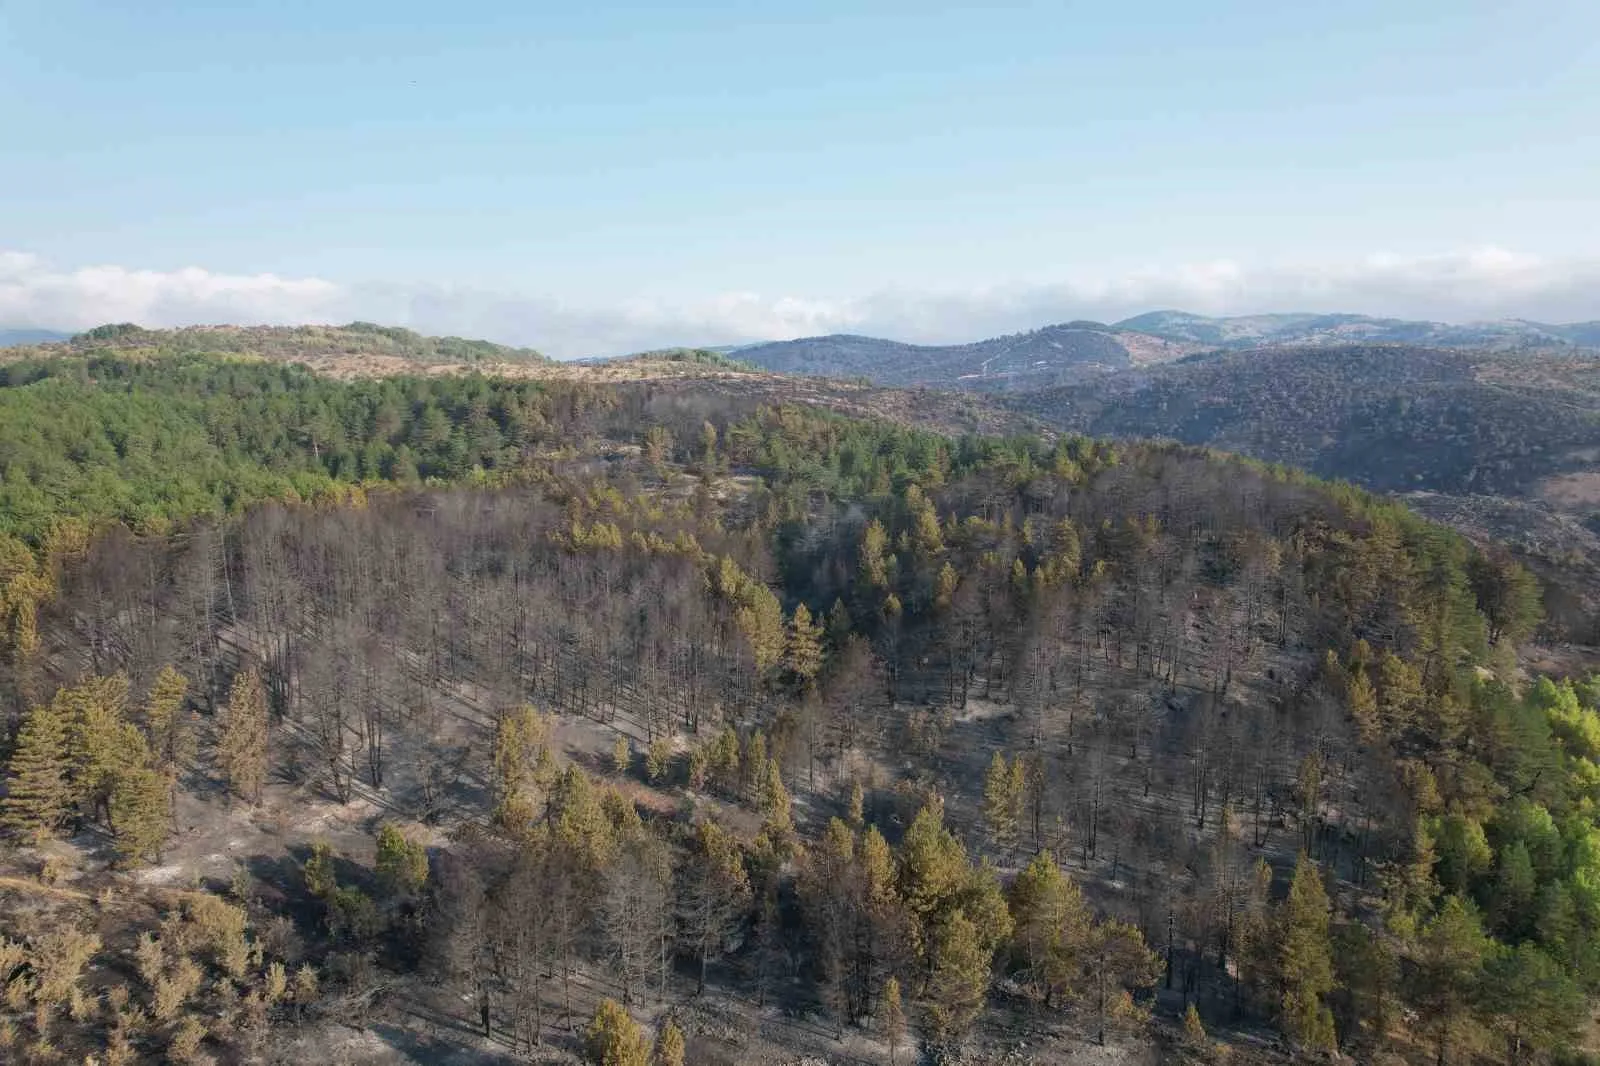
x,y
631,173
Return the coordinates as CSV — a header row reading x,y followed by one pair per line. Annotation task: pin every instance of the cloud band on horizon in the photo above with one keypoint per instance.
x,y
1479,284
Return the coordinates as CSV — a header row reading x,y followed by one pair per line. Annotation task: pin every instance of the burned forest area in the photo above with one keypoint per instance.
x,y
467,719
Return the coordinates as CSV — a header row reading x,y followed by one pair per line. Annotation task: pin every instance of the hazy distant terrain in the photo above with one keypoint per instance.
x,y
12,337
1047,356
1248,331
1080,351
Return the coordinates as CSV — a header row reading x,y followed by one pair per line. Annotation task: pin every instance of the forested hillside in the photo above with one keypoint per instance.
x,y
353,349
1390,418
150,439
1502,447
464,715
148,442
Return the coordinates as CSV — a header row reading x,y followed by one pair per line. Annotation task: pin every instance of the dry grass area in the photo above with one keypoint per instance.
x,y
1578,491
1145,350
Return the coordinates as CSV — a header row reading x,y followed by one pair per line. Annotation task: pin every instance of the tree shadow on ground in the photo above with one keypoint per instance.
x,y
456,1049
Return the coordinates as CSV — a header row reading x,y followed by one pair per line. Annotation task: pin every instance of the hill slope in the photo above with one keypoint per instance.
x,y
822,699
159,429
798,675
1391,418
1500,446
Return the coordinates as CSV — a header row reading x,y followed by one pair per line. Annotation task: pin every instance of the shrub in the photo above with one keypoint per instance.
x,y
58,961
275,983
613,1038
352,914
219,926
174,989
402,864
186,1039
657,759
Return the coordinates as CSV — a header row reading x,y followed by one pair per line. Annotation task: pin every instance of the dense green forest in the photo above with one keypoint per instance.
x,y
149,443
664,703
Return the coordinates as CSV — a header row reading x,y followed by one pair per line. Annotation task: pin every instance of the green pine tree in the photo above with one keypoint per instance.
x,y
141,811
1002,799
1516,887
38,788
1447,970
402,864
242,751
1116,961
959,982
874,566
944,587
657,758
613,1038
776,807
858,807
1053,923
95,711
1194,1030
1531,1002
838,625
894,1017
803,649
1305,959
166,718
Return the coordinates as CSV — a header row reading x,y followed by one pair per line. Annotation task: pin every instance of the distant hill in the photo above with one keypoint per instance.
x,y
1080,351
1393,418
356,349
1251,331
1049,356
11,338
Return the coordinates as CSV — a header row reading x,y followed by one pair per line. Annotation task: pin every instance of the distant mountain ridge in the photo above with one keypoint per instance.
x,y
13,338
1073,352
1249,331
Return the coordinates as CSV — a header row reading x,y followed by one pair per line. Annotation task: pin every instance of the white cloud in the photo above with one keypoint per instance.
x,y
1475,284
33,294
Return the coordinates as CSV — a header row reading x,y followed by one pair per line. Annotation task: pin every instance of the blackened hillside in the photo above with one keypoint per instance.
x,y
1389,417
